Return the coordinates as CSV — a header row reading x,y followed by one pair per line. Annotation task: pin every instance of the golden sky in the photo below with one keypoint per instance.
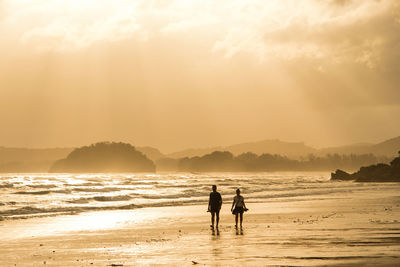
x,y
176,73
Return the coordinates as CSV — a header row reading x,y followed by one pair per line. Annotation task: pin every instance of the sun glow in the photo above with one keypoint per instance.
x,y
209,59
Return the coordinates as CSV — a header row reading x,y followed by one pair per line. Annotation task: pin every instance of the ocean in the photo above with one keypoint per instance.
x,y
35,195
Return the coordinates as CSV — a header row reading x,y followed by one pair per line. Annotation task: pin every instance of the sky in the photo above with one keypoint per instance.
x,y
174,74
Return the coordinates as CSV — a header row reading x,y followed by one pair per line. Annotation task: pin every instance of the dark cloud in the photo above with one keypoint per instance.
x,y
362,48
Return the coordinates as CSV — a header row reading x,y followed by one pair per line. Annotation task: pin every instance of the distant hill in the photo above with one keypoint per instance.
x,y
290,149
193,152
104,157
151,152
387,148
218,161
40,160
360,148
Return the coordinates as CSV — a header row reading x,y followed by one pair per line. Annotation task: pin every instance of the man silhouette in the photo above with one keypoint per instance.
x,y
214,205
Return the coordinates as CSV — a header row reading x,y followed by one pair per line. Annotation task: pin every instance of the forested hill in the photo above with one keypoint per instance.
x,y
104,157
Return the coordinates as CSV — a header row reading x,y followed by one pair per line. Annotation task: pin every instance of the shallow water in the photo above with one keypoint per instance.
x,y
30,195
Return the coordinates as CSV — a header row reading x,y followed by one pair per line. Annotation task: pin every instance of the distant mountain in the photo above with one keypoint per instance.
x,y
360,148
290,149
40,160
387,148
151,152
193,152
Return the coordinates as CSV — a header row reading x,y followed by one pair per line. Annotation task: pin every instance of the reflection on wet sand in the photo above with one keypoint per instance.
x,y
239,231
215,231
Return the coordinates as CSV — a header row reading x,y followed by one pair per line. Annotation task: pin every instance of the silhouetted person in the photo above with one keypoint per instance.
x,y
238,207
214,205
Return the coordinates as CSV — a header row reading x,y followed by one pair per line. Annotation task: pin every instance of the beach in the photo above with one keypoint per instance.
x,y
345,228
126,125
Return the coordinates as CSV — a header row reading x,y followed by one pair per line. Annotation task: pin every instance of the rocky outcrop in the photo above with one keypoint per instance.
x,y
374,173
341,175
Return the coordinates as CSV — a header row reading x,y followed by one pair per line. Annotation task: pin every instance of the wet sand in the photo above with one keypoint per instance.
x,y
350,229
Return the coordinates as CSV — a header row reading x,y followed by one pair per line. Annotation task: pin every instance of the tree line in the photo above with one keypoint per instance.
x,y
226,161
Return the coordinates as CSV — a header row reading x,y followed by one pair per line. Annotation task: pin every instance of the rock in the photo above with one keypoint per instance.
x,y
341,175
373,173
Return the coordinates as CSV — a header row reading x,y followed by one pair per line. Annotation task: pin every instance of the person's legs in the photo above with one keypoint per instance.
x,y
217,213
212,218
241,219
236,219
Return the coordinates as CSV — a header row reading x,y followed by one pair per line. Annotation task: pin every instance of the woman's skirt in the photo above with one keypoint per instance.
x,y
238,210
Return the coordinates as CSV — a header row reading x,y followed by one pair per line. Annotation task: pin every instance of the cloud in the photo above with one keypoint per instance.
x,y
359,31
69,25
335,30
232,69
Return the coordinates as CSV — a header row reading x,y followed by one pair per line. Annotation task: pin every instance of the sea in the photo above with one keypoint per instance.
x,y
43,194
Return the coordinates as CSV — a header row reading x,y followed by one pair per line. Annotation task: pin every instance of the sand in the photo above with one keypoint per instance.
x,y
347,230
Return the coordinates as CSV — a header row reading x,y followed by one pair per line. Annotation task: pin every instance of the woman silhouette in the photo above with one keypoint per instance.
x,y
238,207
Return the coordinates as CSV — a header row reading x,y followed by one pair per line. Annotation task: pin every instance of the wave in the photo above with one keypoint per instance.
x,y
85,184
301,194
30,211
44,192
79,201
136,182
6,185
112,198
100,199
174,200
110,192
47,186
104,189
33,192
